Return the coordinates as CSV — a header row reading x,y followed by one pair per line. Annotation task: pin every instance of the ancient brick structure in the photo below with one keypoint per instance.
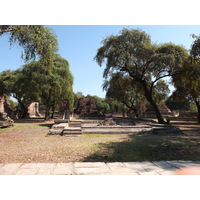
x,y
164,110
86,105
33,110
6,111
2,104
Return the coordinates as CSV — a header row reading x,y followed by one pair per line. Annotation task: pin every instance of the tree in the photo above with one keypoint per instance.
x,y
36,83
116,106
133,54
101,105
77,96
175,104
7,79
187,88
122,89
37,41
187,83
160,92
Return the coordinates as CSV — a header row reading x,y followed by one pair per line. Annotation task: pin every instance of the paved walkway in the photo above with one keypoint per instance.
x,y
96,168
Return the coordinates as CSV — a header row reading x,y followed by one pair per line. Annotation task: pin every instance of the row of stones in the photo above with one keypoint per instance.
x,y
96,168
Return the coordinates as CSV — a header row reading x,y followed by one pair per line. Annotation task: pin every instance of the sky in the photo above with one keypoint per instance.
x,y
79,43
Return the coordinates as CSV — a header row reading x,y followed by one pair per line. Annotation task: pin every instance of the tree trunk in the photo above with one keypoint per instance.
x,y
47,112
198,108
148,95
23,112
157,112
53,110
132,107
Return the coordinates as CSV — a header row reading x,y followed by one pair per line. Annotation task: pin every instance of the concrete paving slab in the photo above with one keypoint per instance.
x,y
89,164
91,168
150,173
96,168
115,164
164,165
1,165
180,163
38,165
92,171
166,172
10,169
63,169
28,171
118,168
144,167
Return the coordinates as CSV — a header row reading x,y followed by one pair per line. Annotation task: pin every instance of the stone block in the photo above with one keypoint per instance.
x,y
63,169
10,169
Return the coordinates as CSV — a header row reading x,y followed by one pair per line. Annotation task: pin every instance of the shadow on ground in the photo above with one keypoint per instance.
x,y
46,125
143,147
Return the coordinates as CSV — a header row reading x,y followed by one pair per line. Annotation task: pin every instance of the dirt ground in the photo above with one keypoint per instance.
x,y
27,142
188,127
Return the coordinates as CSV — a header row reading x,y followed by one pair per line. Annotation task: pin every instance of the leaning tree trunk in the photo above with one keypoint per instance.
x,y
148,95
198,108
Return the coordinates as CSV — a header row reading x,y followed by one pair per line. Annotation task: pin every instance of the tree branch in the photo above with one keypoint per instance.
x,y
6,30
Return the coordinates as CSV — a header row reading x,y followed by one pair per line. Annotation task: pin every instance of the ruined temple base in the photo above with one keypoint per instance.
x,y
5,121
76,128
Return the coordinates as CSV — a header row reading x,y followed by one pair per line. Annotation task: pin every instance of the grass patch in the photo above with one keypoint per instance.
x,y
24,127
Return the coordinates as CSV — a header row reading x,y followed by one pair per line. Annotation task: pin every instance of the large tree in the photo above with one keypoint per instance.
x,y
38,42
133,54
122,89
187,84
35,83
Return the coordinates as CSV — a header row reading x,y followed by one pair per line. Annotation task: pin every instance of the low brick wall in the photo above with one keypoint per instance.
x,y
115,129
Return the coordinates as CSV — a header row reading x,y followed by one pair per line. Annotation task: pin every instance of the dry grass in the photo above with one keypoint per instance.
x,y
27,143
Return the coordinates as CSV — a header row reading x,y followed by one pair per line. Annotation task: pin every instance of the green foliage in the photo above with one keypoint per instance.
x,y
7,79
160,92
34,82
101,105
77,96
124,90
131,53
37,41
13,103
177,105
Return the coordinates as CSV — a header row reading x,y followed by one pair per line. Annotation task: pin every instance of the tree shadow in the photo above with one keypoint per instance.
x,y
143,147
46,125
29,120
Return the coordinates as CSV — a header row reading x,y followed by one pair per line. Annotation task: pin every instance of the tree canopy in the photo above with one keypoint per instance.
x,y
38,42
122,89
131,53
33,82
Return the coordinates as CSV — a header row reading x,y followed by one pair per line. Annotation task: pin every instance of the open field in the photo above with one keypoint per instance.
x,y
26,142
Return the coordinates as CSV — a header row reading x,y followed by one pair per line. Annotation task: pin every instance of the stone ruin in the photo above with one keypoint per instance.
x,y
33,110
107,122
6,112
86,105
112,126
5,120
